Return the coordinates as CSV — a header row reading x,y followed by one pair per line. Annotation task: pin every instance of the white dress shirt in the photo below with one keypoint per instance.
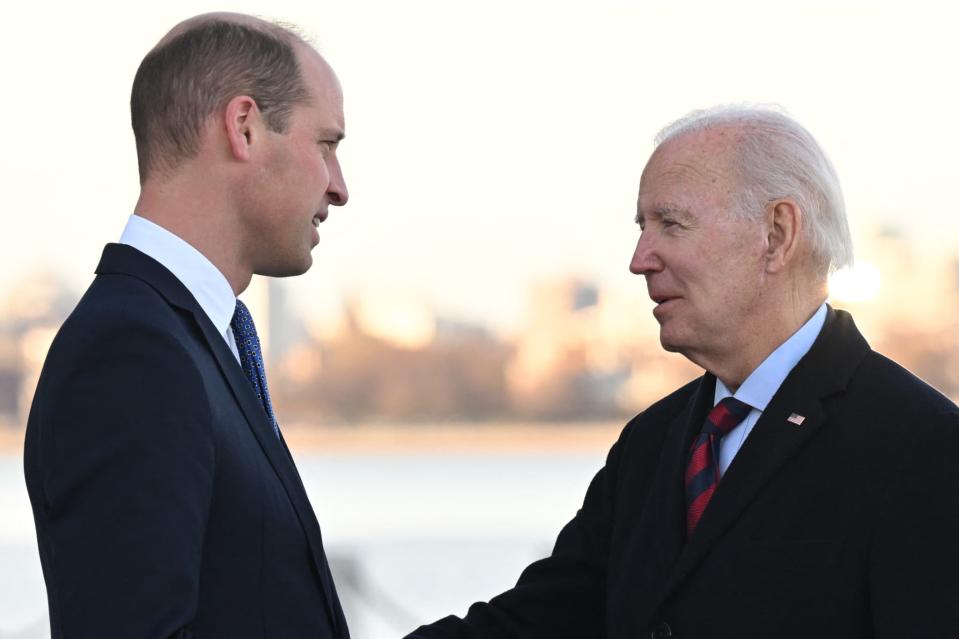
x,y
762,384
198,274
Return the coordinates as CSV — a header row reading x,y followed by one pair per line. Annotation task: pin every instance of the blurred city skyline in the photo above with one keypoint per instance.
x,y
583,352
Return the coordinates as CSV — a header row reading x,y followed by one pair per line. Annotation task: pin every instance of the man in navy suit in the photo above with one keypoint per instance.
x,y
805,486
165,499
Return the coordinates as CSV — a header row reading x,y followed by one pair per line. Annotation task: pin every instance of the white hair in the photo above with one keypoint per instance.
x,y
777,158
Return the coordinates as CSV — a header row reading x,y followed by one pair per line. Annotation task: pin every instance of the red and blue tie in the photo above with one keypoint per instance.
x,y
702,471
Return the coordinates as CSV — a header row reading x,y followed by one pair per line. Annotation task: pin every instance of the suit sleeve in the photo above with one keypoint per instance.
x,y
914,591
124,463
561,596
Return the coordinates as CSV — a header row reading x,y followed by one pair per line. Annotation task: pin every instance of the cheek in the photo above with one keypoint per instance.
x,y
737,253
717,283
323,172
310,170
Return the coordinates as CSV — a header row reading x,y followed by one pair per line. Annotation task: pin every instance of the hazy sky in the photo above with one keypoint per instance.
x,y
491,144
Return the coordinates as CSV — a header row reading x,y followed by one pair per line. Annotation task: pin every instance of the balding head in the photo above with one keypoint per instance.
x,y
199,66
226,16
772,156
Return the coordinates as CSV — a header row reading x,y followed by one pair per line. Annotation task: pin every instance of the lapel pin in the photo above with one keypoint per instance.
x,y
796,419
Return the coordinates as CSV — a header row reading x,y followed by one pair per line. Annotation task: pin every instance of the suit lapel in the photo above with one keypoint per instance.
x,y
671,532
273,448
824,370
127,260
662,529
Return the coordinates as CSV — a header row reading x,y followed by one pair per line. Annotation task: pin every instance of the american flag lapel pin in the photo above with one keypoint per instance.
x,y
796,419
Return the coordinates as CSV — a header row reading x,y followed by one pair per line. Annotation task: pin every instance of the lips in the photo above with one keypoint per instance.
x,y
319,217
663,303
317,220
661,298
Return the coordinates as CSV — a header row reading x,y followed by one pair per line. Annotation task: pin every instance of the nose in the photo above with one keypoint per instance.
x,y
336,192
645,258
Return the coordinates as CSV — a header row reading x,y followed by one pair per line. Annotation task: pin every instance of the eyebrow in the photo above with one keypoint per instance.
x,y
662,211
334,135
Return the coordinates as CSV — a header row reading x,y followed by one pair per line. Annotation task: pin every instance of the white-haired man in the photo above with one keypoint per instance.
x,y
805,486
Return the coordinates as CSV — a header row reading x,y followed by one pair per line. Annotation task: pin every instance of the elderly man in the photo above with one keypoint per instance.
x,y
805,486
165,499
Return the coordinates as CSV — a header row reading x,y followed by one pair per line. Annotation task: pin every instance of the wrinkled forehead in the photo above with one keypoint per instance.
x,y
699,162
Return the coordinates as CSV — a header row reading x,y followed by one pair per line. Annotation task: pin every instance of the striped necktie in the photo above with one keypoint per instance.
x,y
702,471
251,358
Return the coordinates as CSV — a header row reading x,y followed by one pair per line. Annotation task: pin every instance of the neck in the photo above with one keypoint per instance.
x,y
766,333
198,217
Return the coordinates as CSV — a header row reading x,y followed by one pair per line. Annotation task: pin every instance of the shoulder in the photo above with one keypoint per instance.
x,y
665,410
900,392
122,334
122,369
121,309
670,406
896,418
123,363
648,429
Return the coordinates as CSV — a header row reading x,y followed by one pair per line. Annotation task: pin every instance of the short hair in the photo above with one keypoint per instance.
x,y
776,157
184,80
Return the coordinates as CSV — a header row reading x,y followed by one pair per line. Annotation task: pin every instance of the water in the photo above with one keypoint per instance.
x,y
411,537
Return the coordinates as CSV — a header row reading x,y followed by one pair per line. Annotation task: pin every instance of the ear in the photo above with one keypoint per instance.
x,y
243,126
785,222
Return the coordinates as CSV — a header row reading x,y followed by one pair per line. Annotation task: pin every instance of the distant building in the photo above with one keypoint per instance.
x,y
587,353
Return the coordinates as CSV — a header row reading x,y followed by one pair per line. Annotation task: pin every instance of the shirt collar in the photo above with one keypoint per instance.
x,y
198,274
762,383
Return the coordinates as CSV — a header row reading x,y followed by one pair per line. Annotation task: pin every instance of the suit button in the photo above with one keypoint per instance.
x,y
662,631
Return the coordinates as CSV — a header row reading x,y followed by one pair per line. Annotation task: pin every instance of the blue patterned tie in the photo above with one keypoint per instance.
x,y
251,358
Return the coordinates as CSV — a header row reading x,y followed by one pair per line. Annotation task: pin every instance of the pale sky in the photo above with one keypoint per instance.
x,y
492,144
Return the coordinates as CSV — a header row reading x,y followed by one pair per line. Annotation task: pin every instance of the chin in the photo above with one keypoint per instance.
x,y
303,267
674,347
300,263
669,347
671,342
288,268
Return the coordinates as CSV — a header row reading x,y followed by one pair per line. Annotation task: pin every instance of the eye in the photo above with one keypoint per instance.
x,y
670,223
326,146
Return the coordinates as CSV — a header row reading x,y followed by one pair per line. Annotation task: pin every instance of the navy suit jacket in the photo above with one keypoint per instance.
x,y
165,505
845,526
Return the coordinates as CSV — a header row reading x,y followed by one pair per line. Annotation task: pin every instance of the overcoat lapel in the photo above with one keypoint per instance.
x,y
672,509
118,258
663,527
825,370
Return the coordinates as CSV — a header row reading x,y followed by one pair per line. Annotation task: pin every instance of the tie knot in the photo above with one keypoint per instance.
x,y
726,415
242,321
